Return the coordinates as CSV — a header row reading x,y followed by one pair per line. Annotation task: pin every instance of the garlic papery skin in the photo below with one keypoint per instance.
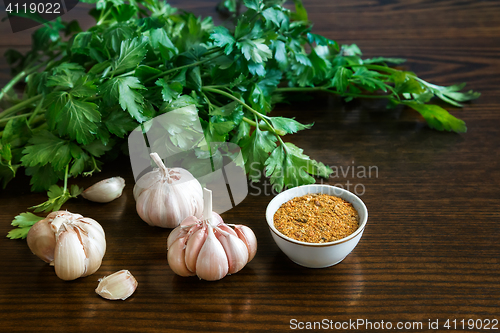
x,y
117,286
166,196
77,247
208,247
106,190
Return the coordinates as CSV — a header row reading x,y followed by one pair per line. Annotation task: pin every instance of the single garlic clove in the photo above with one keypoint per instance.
x,y
193,247
182,230
69,255
42,240
94,243
176,258
175,234
248,237
106,190
217,219
236,251
211,264
119,285
189,220
226,228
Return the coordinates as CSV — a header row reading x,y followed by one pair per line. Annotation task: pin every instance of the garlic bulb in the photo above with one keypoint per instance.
x,y
73,244
106,190
119,285
209,248
166,196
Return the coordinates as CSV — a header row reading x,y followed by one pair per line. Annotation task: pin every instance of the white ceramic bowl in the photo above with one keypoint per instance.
x,y
316,255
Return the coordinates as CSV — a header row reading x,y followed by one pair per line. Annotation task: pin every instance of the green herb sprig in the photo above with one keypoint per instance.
x,y
86,92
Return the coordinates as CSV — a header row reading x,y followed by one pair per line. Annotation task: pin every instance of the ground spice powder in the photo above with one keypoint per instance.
x,y
316,218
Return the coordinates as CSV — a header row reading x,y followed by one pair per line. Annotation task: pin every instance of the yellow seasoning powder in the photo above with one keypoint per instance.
x,y
316,218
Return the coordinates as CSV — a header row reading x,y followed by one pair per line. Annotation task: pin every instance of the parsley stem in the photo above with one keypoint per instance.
x,y
212,51
127,74
66,178
283,144
217,86
11,83
19,106
230,96
102,18
4,120
249,108
34,113
22,75
194,64
156,62
254,124
378,67
17,78
311,89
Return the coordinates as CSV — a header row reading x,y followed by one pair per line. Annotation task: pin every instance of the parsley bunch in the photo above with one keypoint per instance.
x,y
84,93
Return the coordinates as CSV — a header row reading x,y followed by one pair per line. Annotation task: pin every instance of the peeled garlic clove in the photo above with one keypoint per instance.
x,y
176,258
211,264
119,285
193,247
236,251
106,190
248,237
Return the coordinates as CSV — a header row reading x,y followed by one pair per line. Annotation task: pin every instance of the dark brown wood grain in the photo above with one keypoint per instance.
x,y
430,249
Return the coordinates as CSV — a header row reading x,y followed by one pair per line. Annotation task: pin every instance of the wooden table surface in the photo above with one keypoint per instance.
x,y
430,250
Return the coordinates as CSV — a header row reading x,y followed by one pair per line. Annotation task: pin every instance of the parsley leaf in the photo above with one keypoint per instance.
x,y
288,167
395,61
255,150
370,80
276,17
125,91
438,118
256,5
132,51
341,79
42,177
57,197
19,233
78,119
46,148
288,125
255,50
23,221
26,219
114,36
223,38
